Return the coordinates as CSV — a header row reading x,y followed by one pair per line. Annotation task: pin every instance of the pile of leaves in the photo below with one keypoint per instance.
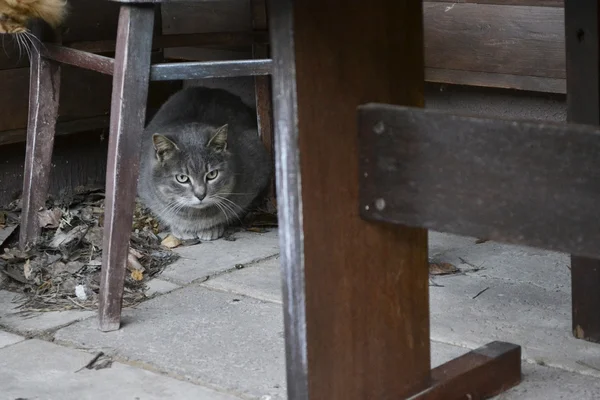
x,y
62,270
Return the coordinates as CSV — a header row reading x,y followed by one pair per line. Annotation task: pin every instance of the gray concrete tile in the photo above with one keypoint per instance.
x,y
226,341
159,286
35,369
210,258
537,267
34,323
261,280
536,318
6,339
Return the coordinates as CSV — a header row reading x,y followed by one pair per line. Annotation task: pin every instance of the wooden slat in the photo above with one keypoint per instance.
x,y
501,81
582,20
480,374
535,3
526,183
210,69
513,40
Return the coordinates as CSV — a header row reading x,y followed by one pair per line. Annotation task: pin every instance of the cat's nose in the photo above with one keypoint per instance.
x,y
200,194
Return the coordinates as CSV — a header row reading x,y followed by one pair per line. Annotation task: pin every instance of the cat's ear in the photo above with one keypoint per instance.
x,y
219,139
164,147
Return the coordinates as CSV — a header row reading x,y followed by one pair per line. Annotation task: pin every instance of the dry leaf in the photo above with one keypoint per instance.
x,y
171,242
27,270
442,269
64,239
49,218
137,275
133,264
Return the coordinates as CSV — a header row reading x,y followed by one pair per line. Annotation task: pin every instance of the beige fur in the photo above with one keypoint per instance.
x,y
15,14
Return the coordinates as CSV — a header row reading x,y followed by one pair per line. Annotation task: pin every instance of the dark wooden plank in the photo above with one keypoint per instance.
x,y
582,26
526,183
262,89
209,69
44,94
514,40
534,3
480,374
366,285
218,39
503,81
128,113
62,128
81,59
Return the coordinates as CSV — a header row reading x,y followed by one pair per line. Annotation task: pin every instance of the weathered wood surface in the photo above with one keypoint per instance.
x,y
527,183
363,332
508,46
127,119
480,374
582,19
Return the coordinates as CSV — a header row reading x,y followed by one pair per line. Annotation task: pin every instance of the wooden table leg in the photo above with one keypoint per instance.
x,y
356,304
582,28
364,332
127,119
44,94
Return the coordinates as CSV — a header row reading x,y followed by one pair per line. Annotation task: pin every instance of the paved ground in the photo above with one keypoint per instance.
x,y
213,329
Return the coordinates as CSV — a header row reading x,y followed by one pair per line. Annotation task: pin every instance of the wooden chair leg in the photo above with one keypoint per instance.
x,y
128,111
262,88
44,93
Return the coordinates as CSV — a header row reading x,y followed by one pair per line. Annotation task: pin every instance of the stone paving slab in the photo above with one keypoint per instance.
x,y
537,267
159,286
209,258
221,340
34,323
40,370
536,318
261,281
7,339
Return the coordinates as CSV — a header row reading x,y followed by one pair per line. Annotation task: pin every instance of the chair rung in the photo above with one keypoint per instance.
x,y
78,58
163,71
210,69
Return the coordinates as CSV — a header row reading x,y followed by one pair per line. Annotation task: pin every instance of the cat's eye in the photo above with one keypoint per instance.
x,y
181,178
212,174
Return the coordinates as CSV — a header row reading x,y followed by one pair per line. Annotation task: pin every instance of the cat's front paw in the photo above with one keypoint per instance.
x,y
212,234
183,235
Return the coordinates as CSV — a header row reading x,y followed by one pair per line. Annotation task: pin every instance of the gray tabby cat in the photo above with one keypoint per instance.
x,y
203,165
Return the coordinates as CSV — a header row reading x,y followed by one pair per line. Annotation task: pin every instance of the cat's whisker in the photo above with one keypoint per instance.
x,y
223,211
26,45
4,45
19,45
228,207
31,47
233,204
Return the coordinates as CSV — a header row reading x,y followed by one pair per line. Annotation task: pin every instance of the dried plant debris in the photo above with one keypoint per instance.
x,y
442,268
62,271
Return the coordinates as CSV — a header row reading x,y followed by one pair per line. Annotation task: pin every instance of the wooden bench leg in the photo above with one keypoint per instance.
x,y
128,111
356,295
582,27
44,93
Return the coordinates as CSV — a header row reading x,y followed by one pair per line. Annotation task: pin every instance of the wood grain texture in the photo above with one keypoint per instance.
x,y
480,374
534,3
514,40
262,89
128,115
366,284
582,27
527,183
44,95
493,80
